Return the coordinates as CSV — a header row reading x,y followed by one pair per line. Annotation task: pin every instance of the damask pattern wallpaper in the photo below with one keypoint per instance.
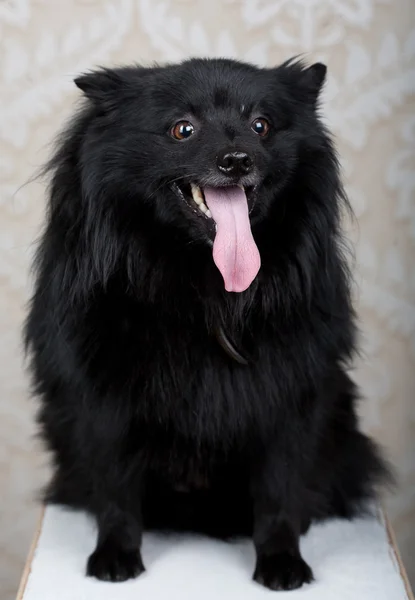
x,y
369,46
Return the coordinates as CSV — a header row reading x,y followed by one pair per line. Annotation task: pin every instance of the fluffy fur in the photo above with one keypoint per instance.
x,y
151,423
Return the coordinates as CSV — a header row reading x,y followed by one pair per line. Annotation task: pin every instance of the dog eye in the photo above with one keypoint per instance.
x,y
182,130
260,126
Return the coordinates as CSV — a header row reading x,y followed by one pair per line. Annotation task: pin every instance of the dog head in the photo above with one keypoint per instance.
x,y
207,144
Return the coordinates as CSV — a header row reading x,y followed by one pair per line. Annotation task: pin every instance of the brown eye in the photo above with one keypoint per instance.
x,y
182,130
260,126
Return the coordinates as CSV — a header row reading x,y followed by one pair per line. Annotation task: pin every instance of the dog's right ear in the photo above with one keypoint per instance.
x,y
103,87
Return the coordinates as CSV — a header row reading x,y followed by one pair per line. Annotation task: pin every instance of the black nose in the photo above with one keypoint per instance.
x,y
234,163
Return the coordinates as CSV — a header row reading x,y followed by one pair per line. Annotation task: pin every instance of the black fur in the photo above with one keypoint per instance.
x,y
151,422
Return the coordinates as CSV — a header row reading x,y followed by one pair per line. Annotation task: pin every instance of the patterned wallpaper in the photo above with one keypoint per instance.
x,y
369,46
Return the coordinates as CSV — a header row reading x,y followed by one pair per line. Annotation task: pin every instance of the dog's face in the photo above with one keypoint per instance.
x,y
209,143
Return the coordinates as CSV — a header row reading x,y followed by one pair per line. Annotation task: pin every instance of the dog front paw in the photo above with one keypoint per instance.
x,y
112,563
282,571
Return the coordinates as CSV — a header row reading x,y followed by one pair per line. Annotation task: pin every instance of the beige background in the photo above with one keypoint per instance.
x,y
369,102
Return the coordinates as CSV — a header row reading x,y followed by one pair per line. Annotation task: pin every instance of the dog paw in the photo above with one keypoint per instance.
x,y
111,563
282,572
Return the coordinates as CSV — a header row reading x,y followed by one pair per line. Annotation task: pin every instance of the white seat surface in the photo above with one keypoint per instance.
x,y
350,560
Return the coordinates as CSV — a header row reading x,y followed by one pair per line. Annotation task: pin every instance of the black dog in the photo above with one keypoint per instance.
x,y
192,318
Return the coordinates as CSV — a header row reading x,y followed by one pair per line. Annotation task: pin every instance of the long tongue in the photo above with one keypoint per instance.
x,y
234,250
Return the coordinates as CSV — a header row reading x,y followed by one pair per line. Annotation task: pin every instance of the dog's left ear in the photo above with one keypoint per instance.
x,y
312,78
305,81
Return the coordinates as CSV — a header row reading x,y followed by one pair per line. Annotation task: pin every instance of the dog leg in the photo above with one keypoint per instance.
x,y
113,491
278,524
117,556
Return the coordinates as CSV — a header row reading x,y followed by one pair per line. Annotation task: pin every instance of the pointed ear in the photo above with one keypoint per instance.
x,y
305,81
102,86
313,78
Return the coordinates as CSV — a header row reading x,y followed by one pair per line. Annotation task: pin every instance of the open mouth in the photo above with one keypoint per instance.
x,y
235,252
194,197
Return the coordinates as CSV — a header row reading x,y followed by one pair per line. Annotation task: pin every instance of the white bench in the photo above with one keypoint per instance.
x,y
351,560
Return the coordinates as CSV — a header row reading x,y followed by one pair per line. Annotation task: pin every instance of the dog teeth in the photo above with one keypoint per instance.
x,y
197,196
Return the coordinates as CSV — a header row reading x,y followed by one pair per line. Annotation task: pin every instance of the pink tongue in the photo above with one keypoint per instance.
x,y
234,250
